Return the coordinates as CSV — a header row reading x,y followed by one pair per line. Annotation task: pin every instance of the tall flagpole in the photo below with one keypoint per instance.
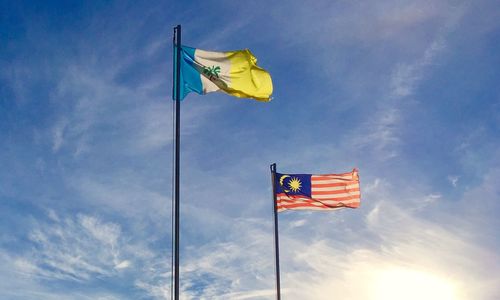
x,y
176,208
276,238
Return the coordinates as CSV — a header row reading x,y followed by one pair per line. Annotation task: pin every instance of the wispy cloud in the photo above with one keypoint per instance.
x,y
210,269
81,251
406,76
102,148
453,180
58,134
17,284
403,240
380,135
75,250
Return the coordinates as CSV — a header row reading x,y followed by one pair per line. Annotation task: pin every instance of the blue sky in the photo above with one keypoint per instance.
x,y
406,91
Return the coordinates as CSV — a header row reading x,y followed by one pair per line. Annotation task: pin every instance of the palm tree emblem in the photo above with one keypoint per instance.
x,y
211,72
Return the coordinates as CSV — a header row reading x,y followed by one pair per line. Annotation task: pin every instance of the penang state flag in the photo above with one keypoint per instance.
x,y
233,72
317,192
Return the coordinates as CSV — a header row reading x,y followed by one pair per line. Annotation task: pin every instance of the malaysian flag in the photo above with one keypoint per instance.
x,y
317,192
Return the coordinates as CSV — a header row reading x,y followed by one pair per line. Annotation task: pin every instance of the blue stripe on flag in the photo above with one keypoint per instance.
x,y
190,76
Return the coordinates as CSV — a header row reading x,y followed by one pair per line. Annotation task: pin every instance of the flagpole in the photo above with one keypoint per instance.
x,y
276,238
177,37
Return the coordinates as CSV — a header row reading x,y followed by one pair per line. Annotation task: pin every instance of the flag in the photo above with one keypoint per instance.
x,y
317,192
234,72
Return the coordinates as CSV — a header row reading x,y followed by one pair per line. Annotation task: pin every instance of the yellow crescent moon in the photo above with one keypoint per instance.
x,y
282,178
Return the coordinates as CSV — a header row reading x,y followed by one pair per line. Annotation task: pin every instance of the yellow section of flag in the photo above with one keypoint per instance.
x,y
233,72
247,79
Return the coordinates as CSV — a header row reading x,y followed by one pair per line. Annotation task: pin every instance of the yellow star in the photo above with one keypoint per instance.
x,y
295,184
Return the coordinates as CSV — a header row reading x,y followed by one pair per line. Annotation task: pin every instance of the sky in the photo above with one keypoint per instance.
x,y
408,92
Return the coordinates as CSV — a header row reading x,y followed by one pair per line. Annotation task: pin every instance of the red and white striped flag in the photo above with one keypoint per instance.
x,y
317,192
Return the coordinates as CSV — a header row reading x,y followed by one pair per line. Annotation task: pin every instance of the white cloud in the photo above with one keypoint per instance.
x,y
73,250
237,265
104,233
256,294
156,291
98,109
399,239
58,134
406,76
432,198
17,282
123,264
453,180
124,193
298,223
53,215
408,244
81,251
155,278
380,135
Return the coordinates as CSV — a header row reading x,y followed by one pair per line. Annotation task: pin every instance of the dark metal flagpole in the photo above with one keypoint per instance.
x,y
177,39
276,237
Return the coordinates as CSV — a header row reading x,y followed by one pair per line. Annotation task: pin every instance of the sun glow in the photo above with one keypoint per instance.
x,y
407,284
